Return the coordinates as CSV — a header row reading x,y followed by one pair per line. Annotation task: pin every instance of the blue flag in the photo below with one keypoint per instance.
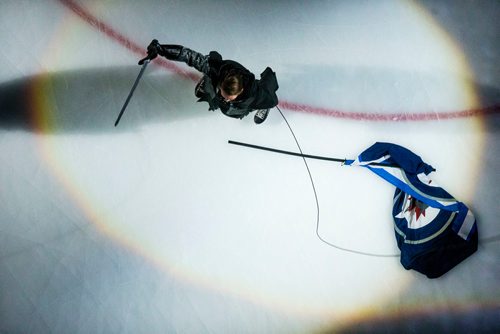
x,y
434,231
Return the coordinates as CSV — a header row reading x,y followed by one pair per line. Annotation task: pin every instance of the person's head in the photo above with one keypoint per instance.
x,y
231,86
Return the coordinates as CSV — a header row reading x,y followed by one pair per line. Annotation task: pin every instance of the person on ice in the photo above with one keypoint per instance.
x,y
226,84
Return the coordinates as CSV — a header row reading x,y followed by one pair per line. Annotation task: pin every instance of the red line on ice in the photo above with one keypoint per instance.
x,y
140,51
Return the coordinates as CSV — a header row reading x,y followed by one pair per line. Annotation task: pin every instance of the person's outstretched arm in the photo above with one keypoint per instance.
x,y
178,53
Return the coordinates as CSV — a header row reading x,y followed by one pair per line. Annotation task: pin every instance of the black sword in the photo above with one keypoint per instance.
x,y
146,62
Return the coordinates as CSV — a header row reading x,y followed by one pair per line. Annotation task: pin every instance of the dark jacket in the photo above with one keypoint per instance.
x,y
257,93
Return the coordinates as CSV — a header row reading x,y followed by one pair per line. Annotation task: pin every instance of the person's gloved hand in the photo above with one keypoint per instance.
x,y
154,48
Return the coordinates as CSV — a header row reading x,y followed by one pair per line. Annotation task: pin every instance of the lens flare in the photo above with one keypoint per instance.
x,y
271,286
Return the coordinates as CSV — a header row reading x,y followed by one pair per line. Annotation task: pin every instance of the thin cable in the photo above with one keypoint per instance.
x,y
317,202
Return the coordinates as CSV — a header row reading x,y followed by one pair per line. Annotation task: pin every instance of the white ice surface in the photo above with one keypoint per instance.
x,y
160,226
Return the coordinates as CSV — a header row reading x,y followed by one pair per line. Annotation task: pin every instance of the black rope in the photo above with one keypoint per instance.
x,y
304,156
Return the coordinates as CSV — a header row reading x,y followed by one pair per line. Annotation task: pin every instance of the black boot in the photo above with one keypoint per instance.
x,y
260,115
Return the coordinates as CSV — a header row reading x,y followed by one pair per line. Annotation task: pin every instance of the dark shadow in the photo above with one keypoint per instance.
x,y
383,90
474,28
489,97
90,100
470,320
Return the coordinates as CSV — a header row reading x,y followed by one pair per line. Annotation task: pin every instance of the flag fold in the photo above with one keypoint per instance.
x,y
433,230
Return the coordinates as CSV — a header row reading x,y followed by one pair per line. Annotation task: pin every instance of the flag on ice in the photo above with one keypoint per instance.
x,y
433,230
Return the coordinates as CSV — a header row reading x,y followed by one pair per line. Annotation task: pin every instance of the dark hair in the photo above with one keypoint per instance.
x,y
232,83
